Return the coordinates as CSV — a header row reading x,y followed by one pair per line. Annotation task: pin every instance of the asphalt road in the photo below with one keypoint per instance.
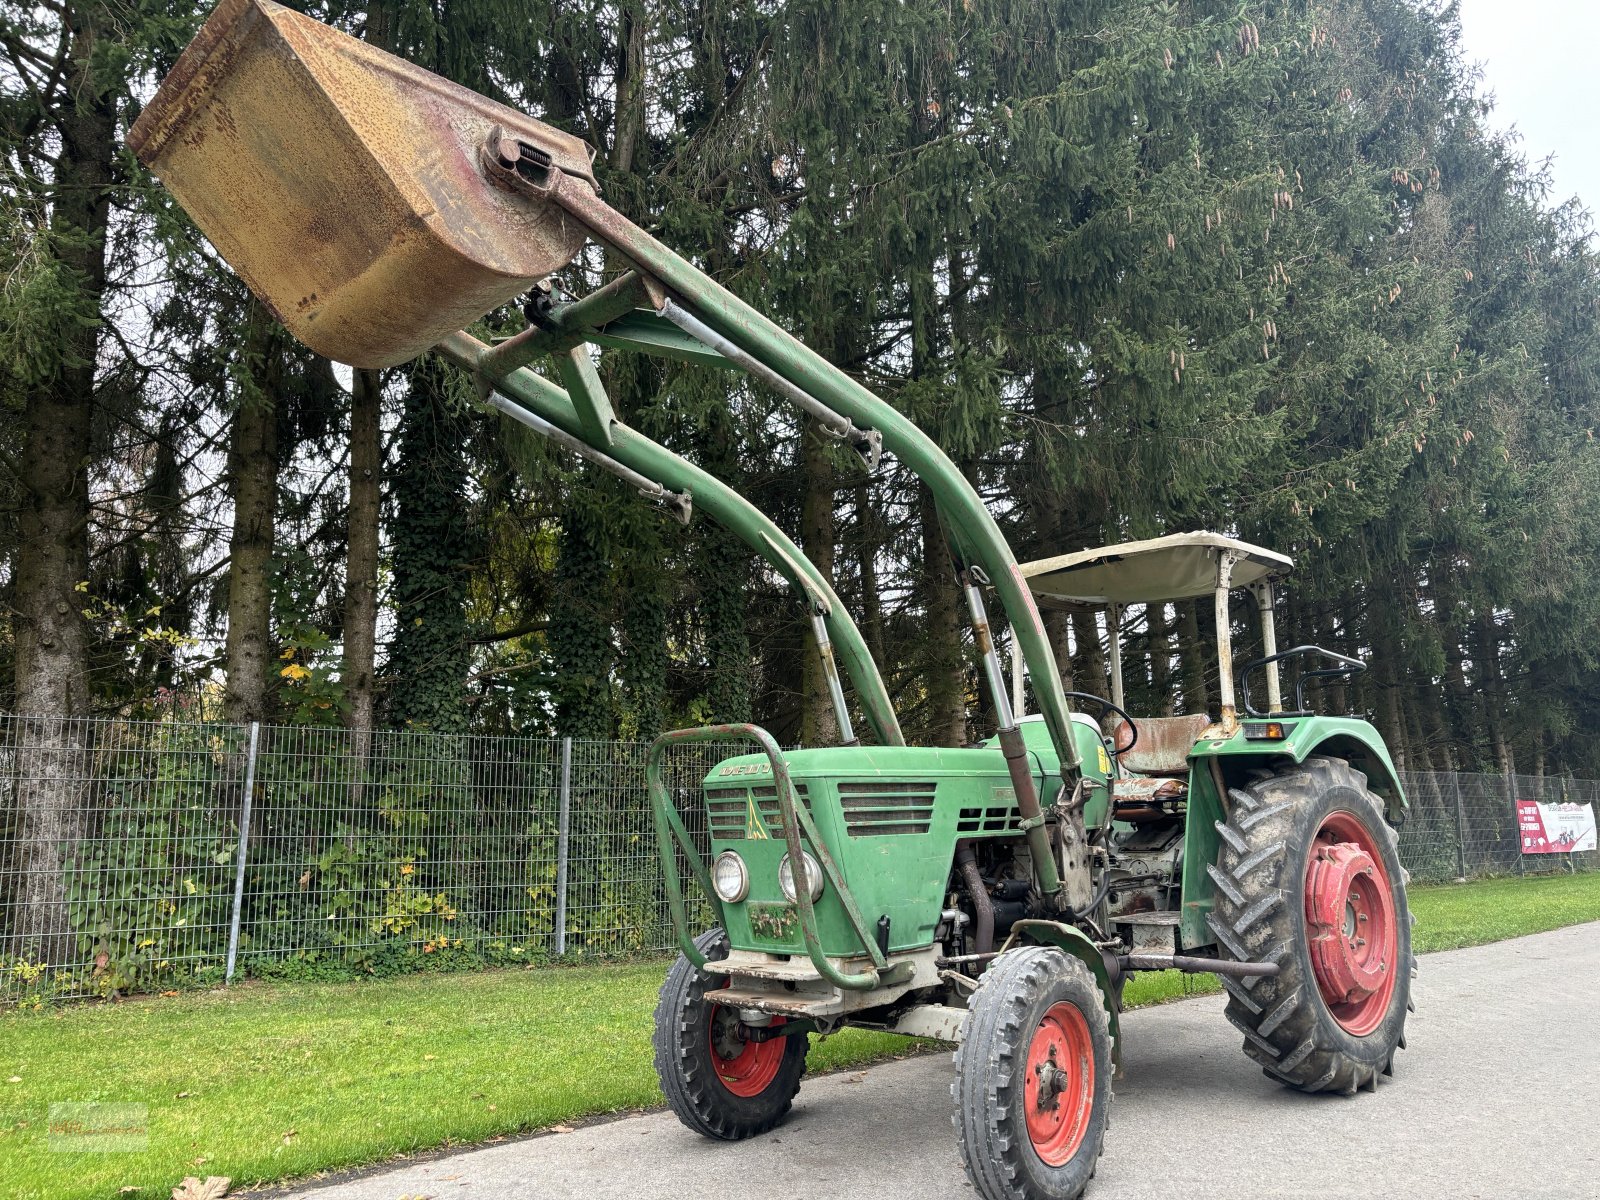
x,y
1495,1098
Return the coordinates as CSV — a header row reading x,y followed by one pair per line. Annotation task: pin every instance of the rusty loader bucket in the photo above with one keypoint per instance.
x,y
348,187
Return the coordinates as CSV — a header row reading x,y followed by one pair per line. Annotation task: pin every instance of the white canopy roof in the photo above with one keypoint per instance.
x,y
1174,567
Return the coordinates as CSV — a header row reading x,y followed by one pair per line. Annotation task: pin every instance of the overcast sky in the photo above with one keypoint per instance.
x,y
1538,59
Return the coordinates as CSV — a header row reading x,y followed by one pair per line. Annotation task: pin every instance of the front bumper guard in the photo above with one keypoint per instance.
x,y
671,835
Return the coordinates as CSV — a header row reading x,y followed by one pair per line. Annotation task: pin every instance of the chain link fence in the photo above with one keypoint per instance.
x,y
143,856
1464,826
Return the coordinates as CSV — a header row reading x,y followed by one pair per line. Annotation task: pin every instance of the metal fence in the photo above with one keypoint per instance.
x,y
139,856
1464,826
151,855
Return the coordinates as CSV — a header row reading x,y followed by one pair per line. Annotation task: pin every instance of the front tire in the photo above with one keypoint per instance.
x,y
1308,877
720,1084
1033,1078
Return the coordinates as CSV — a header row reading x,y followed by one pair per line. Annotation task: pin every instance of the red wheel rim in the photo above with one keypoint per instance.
x,y
745,1068
1350,923
1059,1091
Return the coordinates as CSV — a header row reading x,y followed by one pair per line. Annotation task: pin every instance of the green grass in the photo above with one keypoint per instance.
x,y
265,1082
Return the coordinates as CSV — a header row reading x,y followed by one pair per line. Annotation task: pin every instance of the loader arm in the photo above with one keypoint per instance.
x,y
631,449
377,208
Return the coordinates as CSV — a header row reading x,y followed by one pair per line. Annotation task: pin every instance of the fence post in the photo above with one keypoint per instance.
x,y
1522,863
1461,836
563,829
244,848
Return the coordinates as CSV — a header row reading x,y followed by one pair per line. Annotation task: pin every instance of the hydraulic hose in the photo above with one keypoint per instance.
x,y
983,907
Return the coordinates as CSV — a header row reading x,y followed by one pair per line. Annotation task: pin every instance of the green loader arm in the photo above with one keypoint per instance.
x,y
633,450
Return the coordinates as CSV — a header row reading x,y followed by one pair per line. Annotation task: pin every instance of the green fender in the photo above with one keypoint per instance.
x,y
1341,737
1074,941
1348,738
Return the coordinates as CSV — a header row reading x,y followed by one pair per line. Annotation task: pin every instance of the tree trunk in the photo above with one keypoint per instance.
x,y
1057,626
52,528
1491,690
433,546
722,567
51,672
1193,654
818,726
945,662
1159,637
253,483
867,530
1089,666
581,652
1386,686
361,563
1337,694
1392,735
628,128
1442,746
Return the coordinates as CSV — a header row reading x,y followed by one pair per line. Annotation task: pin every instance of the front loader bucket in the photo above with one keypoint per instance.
x,y
346,185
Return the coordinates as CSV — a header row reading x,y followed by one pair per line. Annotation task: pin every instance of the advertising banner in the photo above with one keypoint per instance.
x,y
1555,828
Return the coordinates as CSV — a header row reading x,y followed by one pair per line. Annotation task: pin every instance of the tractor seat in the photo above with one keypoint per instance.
x,y
1164,743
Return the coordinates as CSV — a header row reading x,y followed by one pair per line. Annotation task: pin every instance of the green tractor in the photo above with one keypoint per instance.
x,y
995,897
898,889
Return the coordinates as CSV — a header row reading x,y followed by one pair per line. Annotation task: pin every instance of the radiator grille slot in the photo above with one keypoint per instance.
x,y
726,811
766,799
998,819
879,808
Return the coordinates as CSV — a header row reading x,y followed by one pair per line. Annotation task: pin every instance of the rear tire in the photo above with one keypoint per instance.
x,y
1308,877
1033,1078
720,1085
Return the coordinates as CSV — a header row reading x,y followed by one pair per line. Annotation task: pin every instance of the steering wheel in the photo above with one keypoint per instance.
x,y
1105,707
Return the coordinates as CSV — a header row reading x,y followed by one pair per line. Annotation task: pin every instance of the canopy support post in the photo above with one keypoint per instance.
x,y
1269,643
1114,652
1230,709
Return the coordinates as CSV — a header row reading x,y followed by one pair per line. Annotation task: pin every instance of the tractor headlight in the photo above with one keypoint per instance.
x,y
813,872
729,877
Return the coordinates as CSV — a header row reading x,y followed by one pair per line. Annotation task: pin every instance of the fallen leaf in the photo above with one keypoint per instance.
x,y
492,1108
184,1095
214,1188
561,1129
287,1134
15,1079
429,1057
126,1190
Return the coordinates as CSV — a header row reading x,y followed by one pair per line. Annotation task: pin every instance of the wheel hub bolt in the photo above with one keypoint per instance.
x,y
1052,1082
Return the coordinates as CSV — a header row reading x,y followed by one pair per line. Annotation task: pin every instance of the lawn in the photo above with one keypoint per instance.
x,y
265,1082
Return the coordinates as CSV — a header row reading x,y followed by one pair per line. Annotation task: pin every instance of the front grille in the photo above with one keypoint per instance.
x,y
879,808
767,803
728,810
